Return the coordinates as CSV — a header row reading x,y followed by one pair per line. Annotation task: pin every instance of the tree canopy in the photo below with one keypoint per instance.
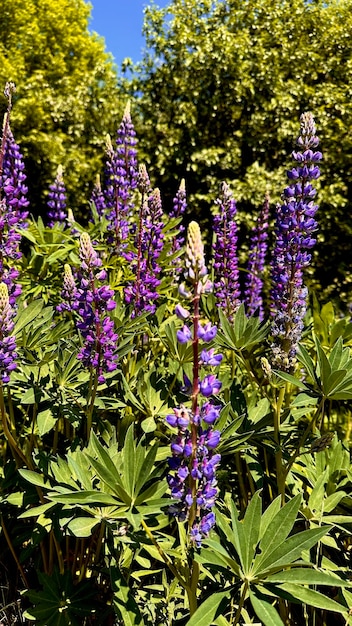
x,y
223,83
66,99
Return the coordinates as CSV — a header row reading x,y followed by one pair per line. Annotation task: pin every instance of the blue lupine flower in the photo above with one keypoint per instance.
x,y
194,459
253,297
7,341
295,225
57,200
226,278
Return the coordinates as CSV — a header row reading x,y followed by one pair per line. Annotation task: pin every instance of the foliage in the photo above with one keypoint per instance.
x,y
222,85
66,98
119,501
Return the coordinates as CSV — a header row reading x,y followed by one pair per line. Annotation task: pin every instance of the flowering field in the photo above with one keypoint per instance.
x,y
174,424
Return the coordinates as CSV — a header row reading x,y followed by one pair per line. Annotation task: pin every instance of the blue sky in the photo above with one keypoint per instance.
x,y
120,23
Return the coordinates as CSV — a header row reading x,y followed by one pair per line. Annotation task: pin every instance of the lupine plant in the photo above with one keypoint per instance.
x,y
57,200
171,452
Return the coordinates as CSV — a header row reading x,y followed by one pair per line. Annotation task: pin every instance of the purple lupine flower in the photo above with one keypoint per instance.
x,y
13,201
97,198
13,180
295,225
253,297
121,179
178,210
92,304
192,478
57,200
7,341
226,283
142,292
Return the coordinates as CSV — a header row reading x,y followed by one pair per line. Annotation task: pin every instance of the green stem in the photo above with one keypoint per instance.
x,y
241,603
280,474
310,426
164,557
92,392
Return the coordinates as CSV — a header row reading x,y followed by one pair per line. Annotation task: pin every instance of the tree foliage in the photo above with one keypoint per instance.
x,y
66,99
223,83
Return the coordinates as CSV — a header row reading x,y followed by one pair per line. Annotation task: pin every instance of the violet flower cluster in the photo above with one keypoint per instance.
x,y
13,204
178,210
7,341
121,179
295,225
226,275
57,200
142,292
13,179
253,293
92,303
98,199
194,460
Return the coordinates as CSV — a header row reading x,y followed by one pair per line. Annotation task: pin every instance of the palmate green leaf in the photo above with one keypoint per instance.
x,y
34,478
124,602
217,555
156,490
313,598
78,464
269,513
209,610
290,550
324,365
332,501
82,526
291,379
129,395
234,535
37,510
132,462
112,481
304,357
284,520
316,498
27,314
251,528
264,610
84,497
45,421
307,576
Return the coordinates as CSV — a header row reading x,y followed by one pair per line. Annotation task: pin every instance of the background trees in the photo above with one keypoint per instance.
x,y
67,98
223,84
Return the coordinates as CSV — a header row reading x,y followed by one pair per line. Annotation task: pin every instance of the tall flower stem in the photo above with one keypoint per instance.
x,y
9,90
280,473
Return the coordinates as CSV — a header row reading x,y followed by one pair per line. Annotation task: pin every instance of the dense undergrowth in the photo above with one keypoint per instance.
x,y
174,427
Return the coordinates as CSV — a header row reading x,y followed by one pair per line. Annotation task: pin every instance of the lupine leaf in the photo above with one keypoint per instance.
x,y
291,549
251,527
313,598
209,609
82,526
307,576
264,610
283,520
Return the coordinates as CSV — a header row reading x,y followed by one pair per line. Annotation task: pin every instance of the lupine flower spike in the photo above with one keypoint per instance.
x,y
13,203
142,293
194,459
253,296
7,341
121,179
178,210
295,225
226,283
92,304
57,200
97,198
